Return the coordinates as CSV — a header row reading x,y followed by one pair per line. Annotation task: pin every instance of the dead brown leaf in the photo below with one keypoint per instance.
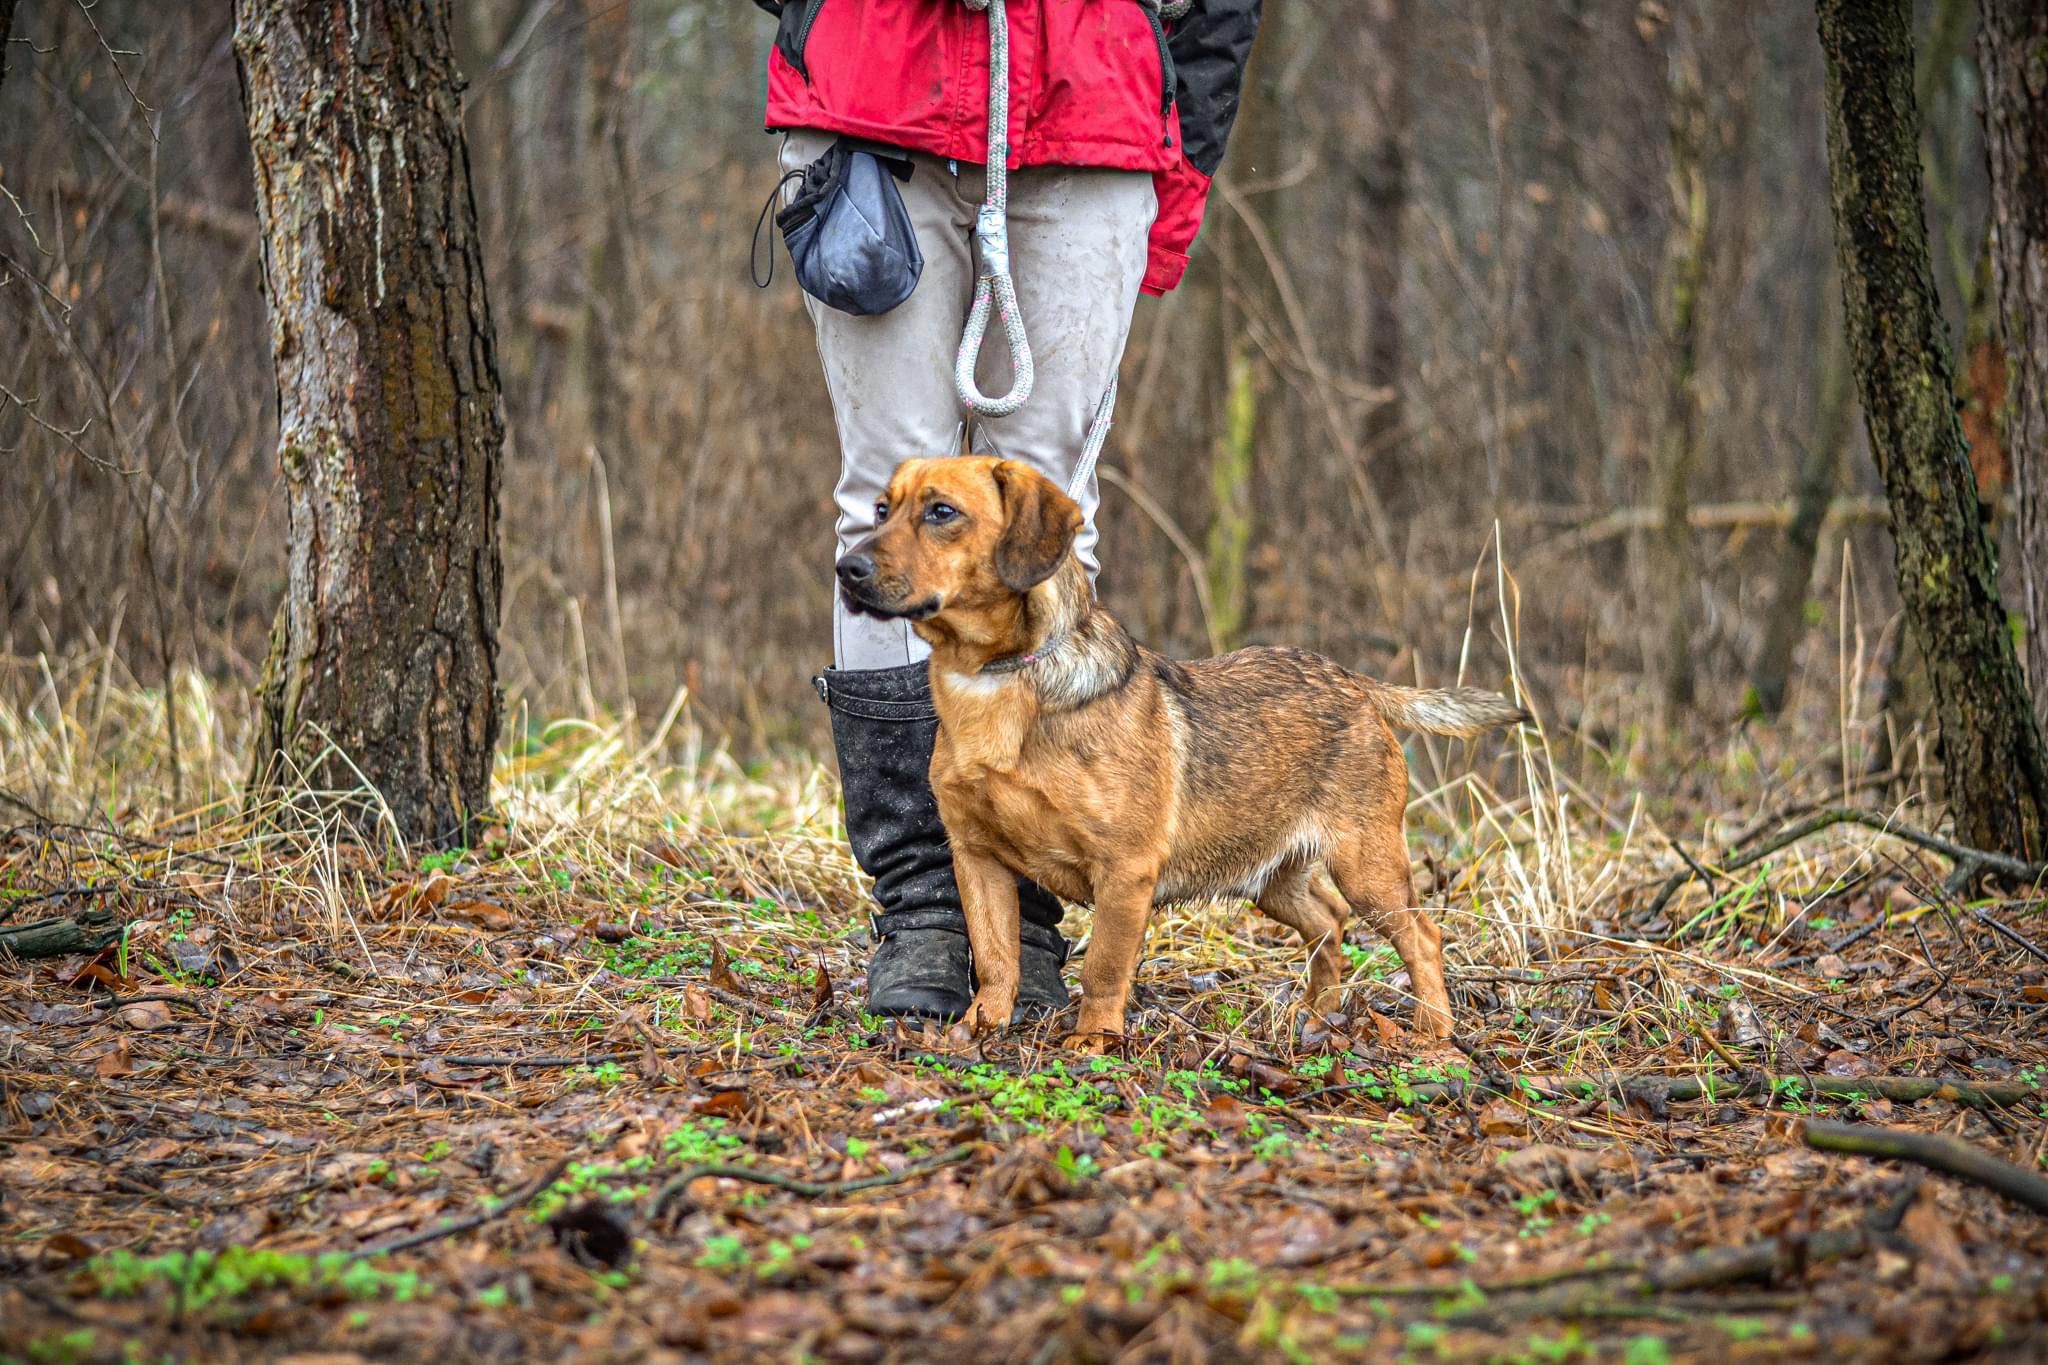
x,y
484,913
417,895
69,1246
1225,1113
1941,1264
145,1015
721,974
1502,1119
1842,1062
1389,1031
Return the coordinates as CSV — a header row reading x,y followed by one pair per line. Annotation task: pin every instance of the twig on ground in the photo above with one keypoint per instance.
x,y
1936,1151
1941,981
475,1220
114,1002
1771,1257
813,1189
737,1001
1369,1289
541,1060
2009,932
1702,873
1718,1048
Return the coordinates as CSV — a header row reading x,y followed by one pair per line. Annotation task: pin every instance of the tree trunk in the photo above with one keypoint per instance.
x,y
1383,43
609,314
1677,449
6,27
1991,749
1545,89
1246,297
1771,674
2012,54
383,658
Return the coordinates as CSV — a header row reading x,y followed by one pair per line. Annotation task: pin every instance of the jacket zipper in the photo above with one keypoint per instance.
x,y
1165,56
803,34
1165,61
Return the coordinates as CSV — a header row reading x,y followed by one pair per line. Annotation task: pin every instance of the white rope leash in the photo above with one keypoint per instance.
x,y
993,287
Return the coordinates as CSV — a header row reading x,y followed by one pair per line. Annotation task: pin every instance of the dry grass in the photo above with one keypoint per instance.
x,y
335,1046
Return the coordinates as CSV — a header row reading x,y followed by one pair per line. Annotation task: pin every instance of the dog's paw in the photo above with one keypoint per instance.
x,y
1090,1044
985,1015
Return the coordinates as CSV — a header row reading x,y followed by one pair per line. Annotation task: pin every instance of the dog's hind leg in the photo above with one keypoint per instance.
x,y
1291,896
1370,865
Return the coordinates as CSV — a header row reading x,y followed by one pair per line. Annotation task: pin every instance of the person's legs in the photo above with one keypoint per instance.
x,y
890,379
1077,251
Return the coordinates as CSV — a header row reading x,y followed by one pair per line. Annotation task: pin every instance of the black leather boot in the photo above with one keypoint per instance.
x,y
883,725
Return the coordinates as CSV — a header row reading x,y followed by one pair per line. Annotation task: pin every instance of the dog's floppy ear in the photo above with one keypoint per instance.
x,y
1039,526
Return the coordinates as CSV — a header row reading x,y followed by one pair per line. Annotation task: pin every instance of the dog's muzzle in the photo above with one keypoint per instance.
x,y
865,592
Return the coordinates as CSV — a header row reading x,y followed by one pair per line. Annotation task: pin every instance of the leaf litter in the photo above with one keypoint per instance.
x,y
600,1088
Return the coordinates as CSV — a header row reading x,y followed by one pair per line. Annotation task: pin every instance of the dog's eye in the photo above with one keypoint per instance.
x,y
881,511
939,513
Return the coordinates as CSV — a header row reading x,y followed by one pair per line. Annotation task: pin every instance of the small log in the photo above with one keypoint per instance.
x,y
86,932
1657,1090
1936,1151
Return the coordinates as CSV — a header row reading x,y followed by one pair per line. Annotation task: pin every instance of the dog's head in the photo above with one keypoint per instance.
x,y
959,535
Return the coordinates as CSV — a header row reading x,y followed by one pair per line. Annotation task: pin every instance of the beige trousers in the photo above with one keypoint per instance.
x,y
1077,253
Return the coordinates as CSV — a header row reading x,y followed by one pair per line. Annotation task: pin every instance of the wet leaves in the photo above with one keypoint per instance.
x,y
1239,1184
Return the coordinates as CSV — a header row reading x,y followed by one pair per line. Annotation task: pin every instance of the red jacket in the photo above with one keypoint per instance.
x,y
1092,83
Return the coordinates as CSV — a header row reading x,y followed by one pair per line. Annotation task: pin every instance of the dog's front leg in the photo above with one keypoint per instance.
x,y
988,899
1121,911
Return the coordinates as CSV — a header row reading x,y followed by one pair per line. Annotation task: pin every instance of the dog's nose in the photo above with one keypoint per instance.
x,y
856,568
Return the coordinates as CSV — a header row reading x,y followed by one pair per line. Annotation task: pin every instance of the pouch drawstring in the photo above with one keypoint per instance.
x,y
754,246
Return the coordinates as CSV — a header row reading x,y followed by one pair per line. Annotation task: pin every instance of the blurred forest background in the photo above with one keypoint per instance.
x,y
1563,265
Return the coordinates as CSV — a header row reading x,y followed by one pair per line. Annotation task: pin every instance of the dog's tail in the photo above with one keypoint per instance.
x,y
1460,712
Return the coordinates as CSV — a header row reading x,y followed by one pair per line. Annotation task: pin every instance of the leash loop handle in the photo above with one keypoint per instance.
x,y
994,290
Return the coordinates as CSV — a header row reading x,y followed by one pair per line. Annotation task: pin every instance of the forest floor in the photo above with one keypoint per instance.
x,y
600,1088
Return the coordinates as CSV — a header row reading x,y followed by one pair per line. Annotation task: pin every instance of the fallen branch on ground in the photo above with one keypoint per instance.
x,y
475,1220
1771,1258
814,1189
1656,1089
540,1060
1936,1151
86,932
1969,863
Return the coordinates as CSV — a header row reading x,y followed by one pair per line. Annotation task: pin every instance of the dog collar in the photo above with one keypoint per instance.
x,y
1016,663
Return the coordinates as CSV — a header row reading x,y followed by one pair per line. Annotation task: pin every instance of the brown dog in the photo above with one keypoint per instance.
x,y
1072,755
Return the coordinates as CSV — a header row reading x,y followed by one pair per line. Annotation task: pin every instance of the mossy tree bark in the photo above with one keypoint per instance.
x,y
383,659
2012,55
1991,748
